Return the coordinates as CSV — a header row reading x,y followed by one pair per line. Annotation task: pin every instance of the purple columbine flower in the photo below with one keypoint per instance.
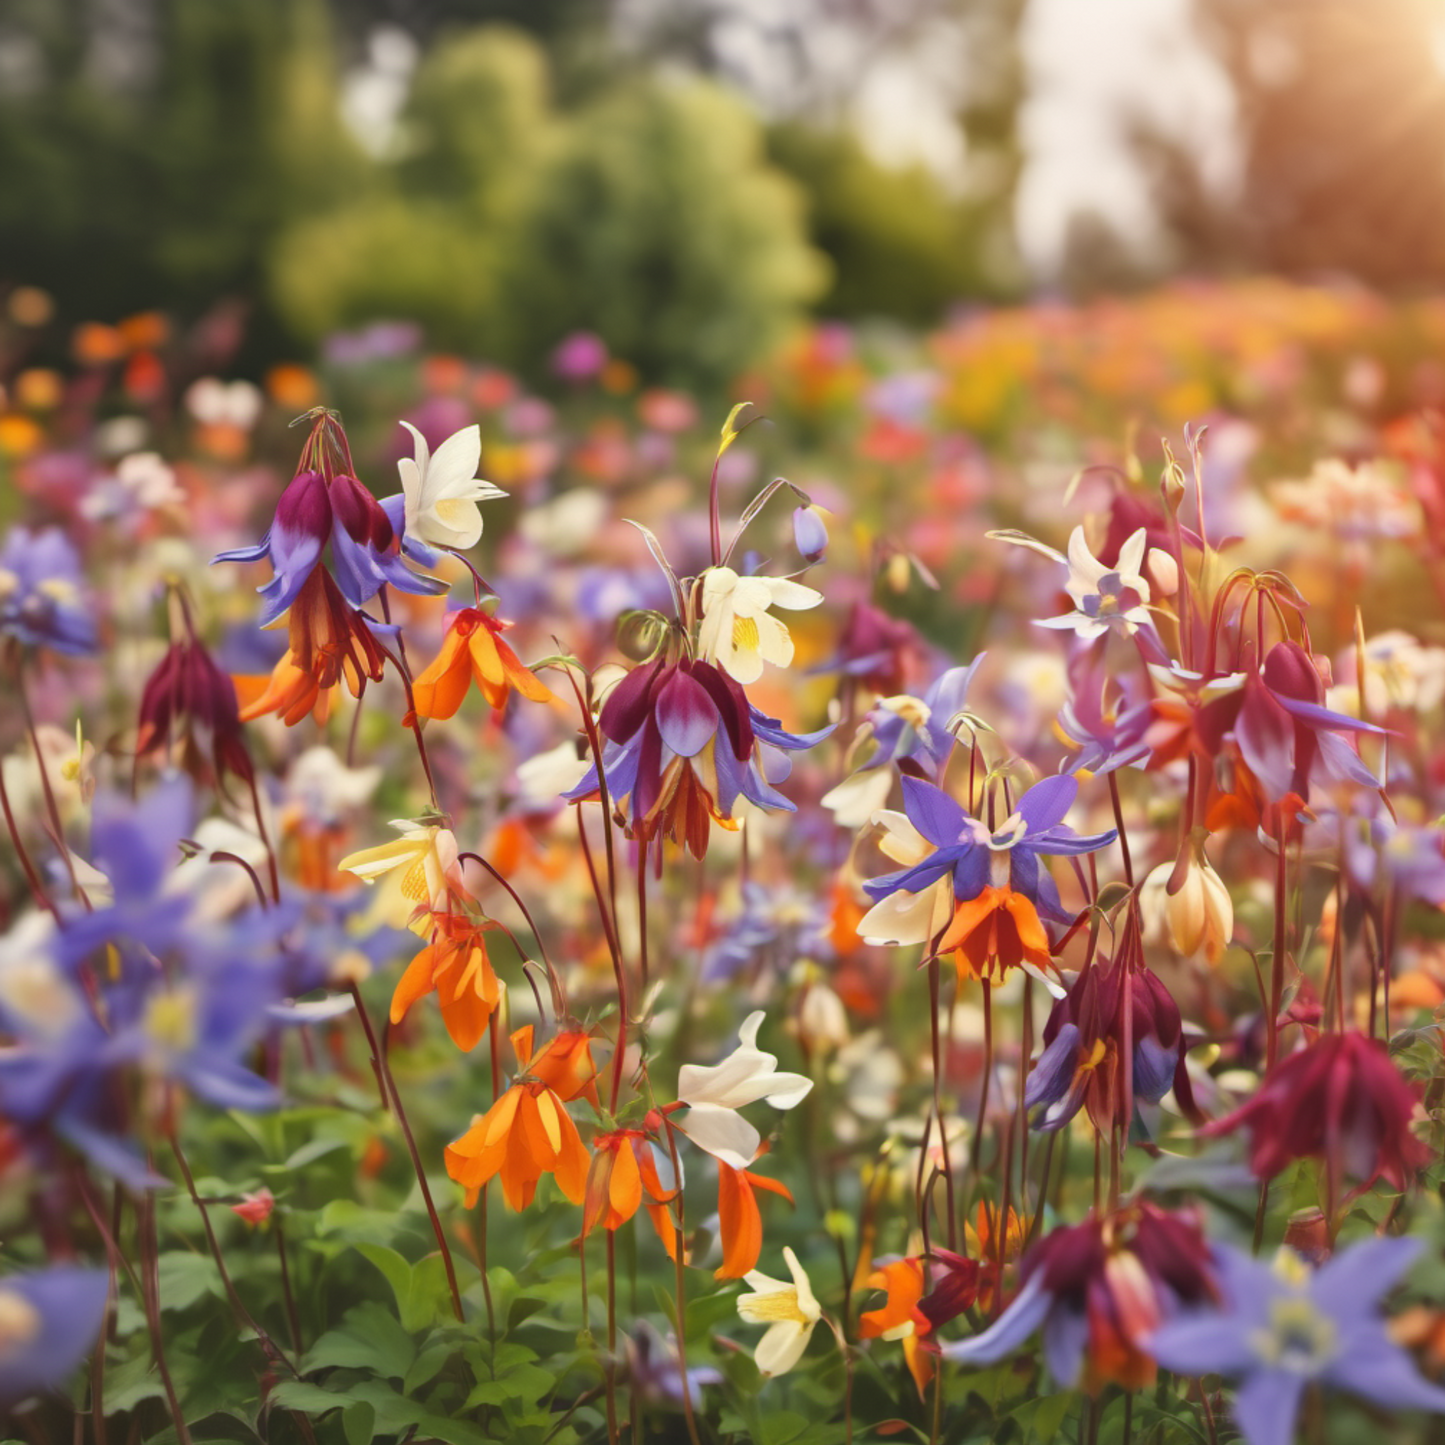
x,y
1107,717
365,546
918,729
1282,1328
42,601
683,745
779,924
49,1321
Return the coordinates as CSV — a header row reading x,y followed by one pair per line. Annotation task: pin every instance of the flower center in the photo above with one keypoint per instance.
x,y
1298,1338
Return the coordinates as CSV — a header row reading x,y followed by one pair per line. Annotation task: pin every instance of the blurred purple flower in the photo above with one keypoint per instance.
x,y
1280,1329
579,356
42,601
49,1321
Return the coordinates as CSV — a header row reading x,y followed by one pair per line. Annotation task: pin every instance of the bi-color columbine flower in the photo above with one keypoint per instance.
x,y
1083,1061
684,746
440,492
715,1093
189,707
1106,598
737,632
42,600
981,894
1339,1099
791,1312
1099,1291
1277,1330
627,1171
900,1317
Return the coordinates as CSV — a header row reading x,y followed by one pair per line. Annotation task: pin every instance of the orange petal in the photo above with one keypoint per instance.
x,y
740,1225
415,983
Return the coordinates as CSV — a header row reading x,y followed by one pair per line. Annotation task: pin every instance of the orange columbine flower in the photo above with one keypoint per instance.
x,y
527,1133
900,1318
473,648
455,966
984,1243
739,1222
288,691
623,1167
994,932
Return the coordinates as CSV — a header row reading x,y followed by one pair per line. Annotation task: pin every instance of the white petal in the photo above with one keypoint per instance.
x,y
901,841
723,1133
782,1347
774,643
1131,555
411,489
807,1301
793,595
421,451
455,463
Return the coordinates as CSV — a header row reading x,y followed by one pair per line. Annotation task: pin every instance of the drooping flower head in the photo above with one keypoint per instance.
x,y
1341,1100
790,1310
473,650
1099,1290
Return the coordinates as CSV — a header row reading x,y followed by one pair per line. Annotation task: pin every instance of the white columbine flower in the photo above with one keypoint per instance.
x,y
1105,598
736,632
789,1310
715,1094
441,492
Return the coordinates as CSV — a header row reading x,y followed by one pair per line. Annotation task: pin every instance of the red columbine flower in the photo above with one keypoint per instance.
x,y
330,643
473,649
1339,1099
189,701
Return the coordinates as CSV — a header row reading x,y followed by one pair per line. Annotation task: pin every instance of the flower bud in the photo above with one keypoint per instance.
x,y
1191,901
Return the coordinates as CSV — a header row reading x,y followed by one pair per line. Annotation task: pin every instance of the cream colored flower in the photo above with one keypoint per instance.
x,y
737,632
441,492
791,1312
904,917
715,1094
1198,915
428,854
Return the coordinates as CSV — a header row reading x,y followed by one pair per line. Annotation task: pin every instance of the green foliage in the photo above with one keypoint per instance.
x,y
650,216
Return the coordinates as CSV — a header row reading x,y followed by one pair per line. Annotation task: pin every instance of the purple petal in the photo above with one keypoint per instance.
x,y
1355,1278
937,816
970,873
1266,738
1323,717
686,716
1065,1335
628,704
1265,1407
1045,804
1014,1326
1375,1368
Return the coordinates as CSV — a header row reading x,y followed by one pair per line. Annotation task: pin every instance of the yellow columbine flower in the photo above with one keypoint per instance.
x,y
737,632
427,852
789,1310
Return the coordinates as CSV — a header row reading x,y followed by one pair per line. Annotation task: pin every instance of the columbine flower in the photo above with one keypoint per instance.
x,y
454,966
1342,1100
625,1172
429,855
737,632
740,1223
1285,735
527,1133
1192,902
790,1311
48,1322
441,490
1106,599
1083,1058
900,1317
980,894
473,650
714,1095
1280,1329
1100,1290
189,701
684,745
41,600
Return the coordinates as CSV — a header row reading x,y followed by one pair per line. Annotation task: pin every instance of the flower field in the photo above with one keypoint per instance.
x,y
904,901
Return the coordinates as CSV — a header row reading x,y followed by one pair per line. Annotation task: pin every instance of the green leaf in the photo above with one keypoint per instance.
x,y
185,1277
427,1366
309,1399
358,1422
421,1290
368,1338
